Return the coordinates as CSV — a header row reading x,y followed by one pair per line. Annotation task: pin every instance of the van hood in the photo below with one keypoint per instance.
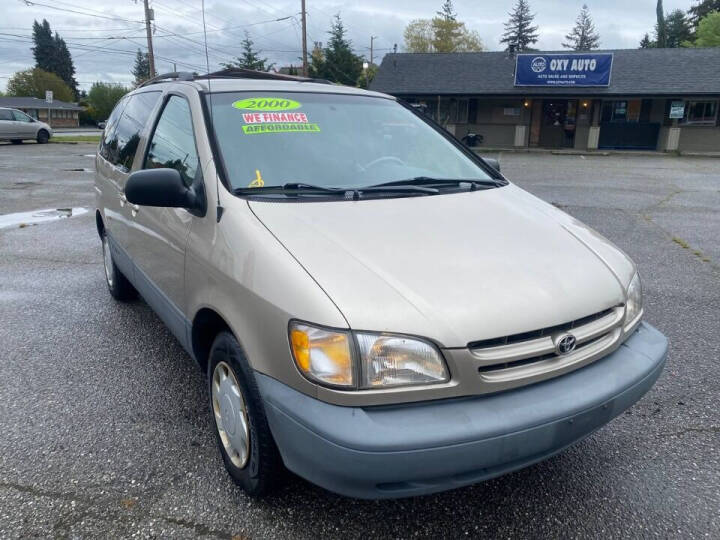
x,y
454,268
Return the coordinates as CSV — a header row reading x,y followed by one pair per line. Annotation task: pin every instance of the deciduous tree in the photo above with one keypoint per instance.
x,y
583,36
520,33
708,32
34,82
442,33
103,97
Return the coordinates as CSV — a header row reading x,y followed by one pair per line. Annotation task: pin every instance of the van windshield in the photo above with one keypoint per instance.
x,y
329,140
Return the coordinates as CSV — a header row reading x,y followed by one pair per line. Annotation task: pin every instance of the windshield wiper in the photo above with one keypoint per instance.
x,y
298,188
473,183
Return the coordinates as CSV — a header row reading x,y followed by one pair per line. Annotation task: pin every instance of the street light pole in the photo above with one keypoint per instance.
x,y
304,39
372,38
149,16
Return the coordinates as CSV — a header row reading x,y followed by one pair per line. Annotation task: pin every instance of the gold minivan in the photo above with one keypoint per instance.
x,y
377,309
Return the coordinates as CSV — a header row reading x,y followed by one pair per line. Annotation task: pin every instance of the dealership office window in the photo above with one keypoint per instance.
x,y
454,111
634,110
700,112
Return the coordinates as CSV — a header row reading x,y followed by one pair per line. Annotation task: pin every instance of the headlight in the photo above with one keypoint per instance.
x,y
633,307
388,360
330,357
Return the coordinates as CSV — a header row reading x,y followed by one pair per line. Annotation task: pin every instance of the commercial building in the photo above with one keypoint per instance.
x,y
56,114
649,99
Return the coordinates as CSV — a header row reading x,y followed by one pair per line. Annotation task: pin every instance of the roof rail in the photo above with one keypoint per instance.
x,y
242,73
172,76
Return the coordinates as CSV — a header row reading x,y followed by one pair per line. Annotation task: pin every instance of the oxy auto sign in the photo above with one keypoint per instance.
x,y
589,69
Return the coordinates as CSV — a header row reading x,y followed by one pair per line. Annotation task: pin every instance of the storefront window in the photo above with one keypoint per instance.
x,y
700,112
453,111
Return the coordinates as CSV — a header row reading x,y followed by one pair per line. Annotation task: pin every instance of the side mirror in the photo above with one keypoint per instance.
x,y
160,187
494,163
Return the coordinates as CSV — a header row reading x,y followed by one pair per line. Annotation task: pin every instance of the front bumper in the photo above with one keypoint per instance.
x,y
420,448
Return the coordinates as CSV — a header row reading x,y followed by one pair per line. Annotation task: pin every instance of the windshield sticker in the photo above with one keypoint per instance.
x,y
258,182
259,118
266,104
251,129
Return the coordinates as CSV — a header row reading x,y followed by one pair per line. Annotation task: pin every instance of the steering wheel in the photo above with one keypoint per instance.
x,y
384,159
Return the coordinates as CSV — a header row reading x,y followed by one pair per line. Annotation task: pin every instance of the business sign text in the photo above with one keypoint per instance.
x,y
584,69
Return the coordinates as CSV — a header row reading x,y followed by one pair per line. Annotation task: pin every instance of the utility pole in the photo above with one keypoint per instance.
x,y
372,38
149,16
304,39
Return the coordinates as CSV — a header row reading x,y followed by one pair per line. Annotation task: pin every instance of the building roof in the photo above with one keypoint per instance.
x,y
635,72
35,103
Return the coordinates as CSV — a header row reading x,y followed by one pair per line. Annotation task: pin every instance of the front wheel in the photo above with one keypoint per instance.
x,y
119,286
43,136
241,428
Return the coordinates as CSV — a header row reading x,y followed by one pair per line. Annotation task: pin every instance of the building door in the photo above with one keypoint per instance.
x,y
557,129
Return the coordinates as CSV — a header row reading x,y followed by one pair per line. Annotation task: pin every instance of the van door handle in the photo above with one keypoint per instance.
x,y
123,200
134,209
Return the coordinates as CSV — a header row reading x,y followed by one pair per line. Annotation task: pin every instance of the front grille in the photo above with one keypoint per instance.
x,y
529,356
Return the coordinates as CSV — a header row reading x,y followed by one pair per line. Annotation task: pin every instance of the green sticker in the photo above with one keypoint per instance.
x,y
266,104
251,129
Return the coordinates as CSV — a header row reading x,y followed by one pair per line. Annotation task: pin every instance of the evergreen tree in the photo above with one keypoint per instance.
x,y
52,55
701,10
660,28
646,42
519,30
583,36
250,58
337,62
44,46
141,69
64,67
678,28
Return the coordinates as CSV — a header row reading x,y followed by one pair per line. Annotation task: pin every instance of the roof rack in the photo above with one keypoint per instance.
x,y
172,76
243,73
230,73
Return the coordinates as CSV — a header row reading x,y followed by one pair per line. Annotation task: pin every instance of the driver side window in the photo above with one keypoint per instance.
x,y
21,117
173,142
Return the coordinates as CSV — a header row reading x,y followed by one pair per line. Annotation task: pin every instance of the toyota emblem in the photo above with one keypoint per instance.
x,y
565,344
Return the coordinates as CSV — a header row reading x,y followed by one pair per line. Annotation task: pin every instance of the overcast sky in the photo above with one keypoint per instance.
x,y
178,31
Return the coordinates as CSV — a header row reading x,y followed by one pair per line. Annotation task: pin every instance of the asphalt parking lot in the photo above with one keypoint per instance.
x,y
105,432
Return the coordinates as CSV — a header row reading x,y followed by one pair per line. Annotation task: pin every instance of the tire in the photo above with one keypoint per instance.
x,y
120,288
43,136
260,470
16,141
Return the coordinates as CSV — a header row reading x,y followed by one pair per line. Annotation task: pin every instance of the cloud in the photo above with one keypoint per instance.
x,y
105,34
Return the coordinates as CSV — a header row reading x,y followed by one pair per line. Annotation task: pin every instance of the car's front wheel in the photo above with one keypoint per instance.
x,y
241,428
43,136
120,288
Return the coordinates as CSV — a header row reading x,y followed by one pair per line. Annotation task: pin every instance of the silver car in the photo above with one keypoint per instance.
x,y
376,308
17,126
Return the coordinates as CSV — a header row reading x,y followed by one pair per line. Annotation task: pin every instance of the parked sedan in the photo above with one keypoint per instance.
x,y
17,126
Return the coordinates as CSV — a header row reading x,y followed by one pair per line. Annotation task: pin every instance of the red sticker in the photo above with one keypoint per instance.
x,y
261,118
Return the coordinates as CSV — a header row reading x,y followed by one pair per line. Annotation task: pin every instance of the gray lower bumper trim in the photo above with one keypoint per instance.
x,y
415,449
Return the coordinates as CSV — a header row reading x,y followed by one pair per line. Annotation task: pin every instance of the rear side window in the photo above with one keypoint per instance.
x,y
173,143
106,148
125,138
6,114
